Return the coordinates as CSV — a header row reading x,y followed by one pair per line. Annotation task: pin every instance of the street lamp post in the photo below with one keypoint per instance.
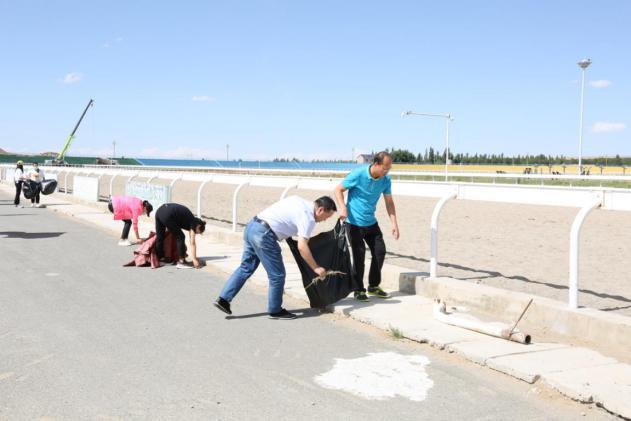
x,y
448,118
583,64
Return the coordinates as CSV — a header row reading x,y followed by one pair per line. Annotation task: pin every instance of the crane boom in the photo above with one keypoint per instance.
x,y
62,153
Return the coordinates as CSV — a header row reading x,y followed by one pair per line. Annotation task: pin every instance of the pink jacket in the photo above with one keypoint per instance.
x,y
127,207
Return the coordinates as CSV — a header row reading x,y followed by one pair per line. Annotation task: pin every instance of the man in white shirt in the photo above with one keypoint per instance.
x,y
285,218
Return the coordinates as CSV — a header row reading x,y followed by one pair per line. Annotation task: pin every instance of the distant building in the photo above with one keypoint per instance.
x,y
365,158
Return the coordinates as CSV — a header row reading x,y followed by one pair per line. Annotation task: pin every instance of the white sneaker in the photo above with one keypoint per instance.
x,y
125,243
184,265
19,206
32,205
39,205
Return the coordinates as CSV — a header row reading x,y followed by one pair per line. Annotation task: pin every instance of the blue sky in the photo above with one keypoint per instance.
x,y
313,79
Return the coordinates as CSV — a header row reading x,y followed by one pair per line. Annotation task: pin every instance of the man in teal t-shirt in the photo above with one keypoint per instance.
x,y
365,185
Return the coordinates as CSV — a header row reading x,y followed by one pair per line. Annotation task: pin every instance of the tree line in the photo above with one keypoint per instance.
x,y
434,156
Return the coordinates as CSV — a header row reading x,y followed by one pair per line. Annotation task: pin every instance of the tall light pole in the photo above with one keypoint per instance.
x,y
113,150
227,152
449,119
583,64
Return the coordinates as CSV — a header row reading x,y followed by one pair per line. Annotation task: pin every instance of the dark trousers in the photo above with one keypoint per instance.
x,y
35,198
161,233
126,229
18,192
360,236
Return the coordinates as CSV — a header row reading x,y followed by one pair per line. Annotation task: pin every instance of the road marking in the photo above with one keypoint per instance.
x,y
380,376
51,274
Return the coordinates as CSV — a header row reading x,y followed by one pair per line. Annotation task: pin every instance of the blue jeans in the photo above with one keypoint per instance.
x,y
260,245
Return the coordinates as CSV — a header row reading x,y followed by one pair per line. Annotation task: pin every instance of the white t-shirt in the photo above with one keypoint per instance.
x,y
36,176
17,175
289,217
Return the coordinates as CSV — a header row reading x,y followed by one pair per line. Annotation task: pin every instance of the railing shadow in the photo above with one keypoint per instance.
x,y
495,274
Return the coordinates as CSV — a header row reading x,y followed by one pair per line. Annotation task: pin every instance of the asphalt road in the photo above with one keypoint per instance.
x,y
82,337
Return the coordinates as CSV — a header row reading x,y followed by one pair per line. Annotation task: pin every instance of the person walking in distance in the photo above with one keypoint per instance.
x,y
18,179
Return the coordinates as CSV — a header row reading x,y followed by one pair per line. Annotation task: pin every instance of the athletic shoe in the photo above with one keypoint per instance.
x,y
19,206
184,265
124,243
377,292
361,296
222,305
39,205
283,315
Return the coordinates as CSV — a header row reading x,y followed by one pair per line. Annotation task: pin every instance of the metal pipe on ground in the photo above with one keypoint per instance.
x,y
467,321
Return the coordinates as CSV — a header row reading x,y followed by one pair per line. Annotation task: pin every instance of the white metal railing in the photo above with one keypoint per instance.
x,y
439,175
585,198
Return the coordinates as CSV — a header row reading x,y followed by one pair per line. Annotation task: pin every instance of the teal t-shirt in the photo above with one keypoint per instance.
x,y
363,195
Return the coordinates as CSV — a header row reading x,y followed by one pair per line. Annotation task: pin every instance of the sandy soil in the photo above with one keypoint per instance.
x,y
516,247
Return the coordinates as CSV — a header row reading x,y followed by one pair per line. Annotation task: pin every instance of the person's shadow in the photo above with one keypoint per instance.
x,y
29,235
302,313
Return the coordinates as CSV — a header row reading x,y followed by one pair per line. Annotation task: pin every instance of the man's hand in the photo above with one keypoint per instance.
x,y
395,231
139,241
343,213
321,272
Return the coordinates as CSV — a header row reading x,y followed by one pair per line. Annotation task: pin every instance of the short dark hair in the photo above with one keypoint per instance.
x,y
326,202
380,156
201,223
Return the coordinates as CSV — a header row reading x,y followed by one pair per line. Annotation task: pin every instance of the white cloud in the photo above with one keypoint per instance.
x,y
600,83
607,127
182,153
119,39
72,77
203,98
106,45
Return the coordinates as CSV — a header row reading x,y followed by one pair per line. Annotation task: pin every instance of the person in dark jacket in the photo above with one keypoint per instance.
x,y
177,218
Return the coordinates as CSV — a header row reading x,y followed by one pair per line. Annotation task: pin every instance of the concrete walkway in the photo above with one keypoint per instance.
x,y
576,372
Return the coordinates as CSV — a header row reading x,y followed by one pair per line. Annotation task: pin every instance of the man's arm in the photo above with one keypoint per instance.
x,y
305,252
392,212
339,197
194,249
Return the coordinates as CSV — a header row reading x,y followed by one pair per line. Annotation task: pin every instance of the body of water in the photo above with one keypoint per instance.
x,y
335,166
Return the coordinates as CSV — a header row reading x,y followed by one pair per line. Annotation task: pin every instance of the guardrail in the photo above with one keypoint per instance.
x,y
435,175
584,198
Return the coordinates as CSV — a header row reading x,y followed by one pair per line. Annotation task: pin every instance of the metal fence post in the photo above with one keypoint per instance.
x,y
234,204
574,249
199,196
433,261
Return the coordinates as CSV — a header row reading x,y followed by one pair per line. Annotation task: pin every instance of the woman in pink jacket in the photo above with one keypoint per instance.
x,y
128,209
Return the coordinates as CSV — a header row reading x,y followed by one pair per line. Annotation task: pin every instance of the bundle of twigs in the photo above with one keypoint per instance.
x,y
327,274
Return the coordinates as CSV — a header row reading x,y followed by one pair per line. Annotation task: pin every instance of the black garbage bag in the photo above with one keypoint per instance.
x,y
49,186
330,250
30,188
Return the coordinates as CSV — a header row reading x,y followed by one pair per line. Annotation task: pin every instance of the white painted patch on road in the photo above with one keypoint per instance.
x,y
51,274
380,375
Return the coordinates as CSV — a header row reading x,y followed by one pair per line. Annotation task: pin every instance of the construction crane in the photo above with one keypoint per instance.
x,y
59,160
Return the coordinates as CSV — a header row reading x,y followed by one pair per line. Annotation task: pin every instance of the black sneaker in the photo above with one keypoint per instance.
x,y
222,305
361,296
377,292
282,315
